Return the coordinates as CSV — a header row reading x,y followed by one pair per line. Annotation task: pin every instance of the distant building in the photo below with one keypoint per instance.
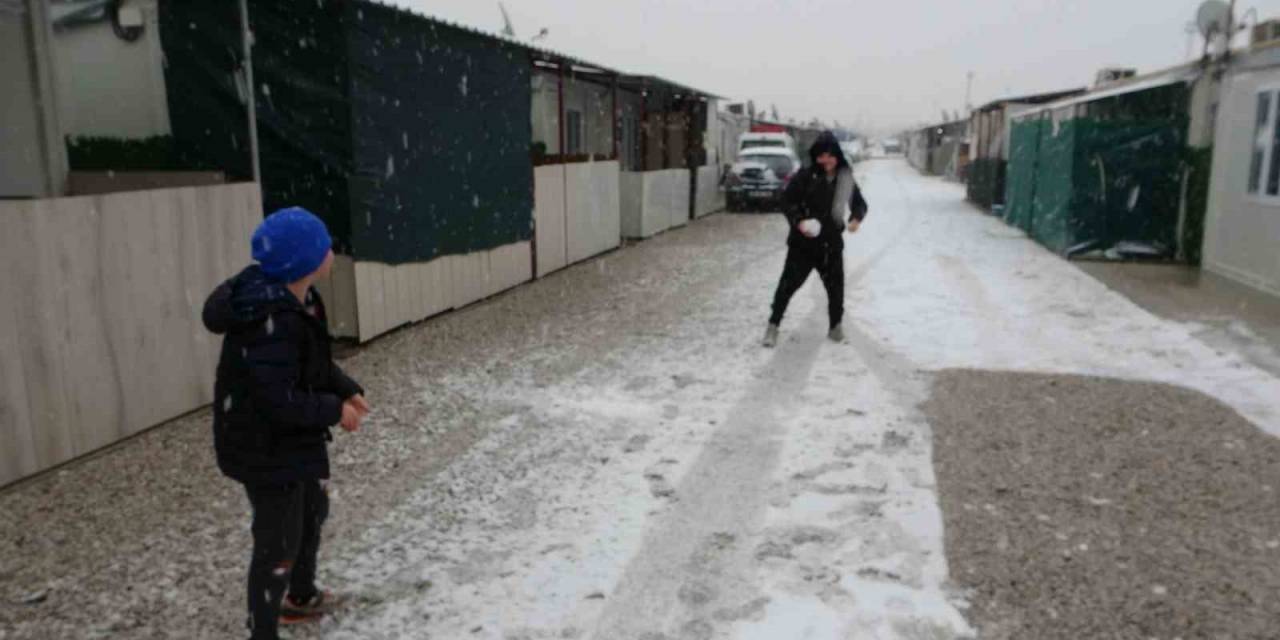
x,y
989,147
940,149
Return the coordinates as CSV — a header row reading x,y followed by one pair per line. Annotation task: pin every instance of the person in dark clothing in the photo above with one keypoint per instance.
x,y
820,203
277,394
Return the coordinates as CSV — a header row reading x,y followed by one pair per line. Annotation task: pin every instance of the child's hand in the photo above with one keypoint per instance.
x,y
854,224
360,404
350,417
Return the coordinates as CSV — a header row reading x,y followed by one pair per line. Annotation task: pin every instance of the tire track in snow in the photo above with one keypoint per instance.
x,y
689,560
694,565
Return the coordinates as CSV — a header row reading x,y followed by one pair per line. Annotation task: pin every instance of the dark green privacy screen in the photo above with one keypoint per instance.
x,y
1108,176
409,137
442,129
201,56
986,182
1024,159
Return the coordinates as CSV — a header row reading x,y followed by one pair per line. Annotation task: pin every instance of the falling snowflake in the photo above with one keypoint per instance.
x,y
462,85
227,404
391,166
271,326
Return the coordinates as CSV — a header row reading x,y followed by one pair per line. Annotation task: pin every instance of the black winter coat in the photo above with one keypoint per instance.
x,y
278,391
811,195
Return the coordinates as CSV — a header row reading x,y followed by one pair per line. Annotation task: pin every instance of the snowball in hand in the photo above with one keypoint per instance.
x,y
810,228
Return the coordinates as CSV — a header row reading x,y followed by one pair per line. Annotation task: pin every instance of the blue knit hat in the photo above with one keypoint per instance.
x,y
290,244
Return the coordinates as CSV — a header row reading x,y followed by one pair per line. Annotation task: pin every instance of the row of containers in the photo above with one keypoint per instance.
x,y
1118,171
449,165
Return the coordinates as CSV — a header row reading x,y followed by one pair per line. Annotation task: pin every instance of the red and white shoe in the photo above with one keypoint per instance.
x,y
294,611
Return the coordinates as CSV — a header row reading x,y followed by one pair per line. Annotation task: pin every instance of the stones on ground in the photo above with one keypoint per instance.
x,y
895,441
752,610
636,443
853,450
873,573
1123,512
659,487
35,597
696,594
782,543
697,630
851,489
816,472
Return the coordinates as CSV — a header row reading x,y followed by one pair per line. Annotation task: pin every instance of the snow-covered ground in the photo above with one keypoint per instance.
x,y
609,454
712,489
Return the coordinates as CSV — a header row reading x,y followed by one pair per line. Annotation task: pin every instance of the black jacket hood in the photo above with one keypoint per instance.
x,y
827,143
246,300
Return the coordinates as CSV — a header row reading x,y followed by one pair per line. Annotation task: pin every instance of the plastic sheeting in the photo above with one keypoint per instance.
x,y
409,137
986,182
1099,177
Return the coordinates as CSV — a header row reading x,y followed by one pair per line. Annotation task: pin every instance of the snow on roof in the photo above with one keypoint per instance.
x,y
1038,98
539,51
1134,85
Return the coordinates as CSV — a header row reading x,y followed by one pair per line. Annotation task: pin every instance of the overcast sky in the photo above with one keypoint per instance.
x,y
881,63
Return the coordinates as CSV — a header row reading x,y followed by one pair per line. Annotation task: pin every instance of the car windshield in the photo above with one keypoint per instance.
x,y
748,144
782,166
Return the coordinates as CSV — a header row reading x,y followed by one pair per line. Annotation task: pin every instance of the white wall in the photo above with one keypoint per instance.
x,y
549,212
594,101
731,127
100,329
709,198
654,201
381,297
1242,233
577,212
109,87
543,110
592,209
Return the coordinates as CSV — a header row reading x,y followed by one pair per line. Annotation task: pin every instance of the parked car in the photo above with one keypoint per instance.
x,y
853,150
892,147
759,176
770,140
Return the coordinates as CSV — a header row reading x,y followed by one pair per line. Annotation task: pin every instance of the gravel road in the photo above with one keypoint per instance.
x,y
1083,507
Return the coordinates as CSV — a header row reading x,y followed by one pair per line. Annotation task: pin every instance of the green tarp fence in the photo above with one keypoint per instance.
x,y
408,136
986,182
1106,178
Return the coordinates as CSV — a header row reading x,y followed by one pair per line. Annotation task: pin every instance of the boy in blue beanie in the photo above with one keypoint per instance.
x,y
277,395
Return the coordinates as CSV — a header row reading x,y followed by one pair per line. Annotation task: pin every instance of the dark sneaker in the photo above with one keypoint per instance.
x,y
836,334
771,336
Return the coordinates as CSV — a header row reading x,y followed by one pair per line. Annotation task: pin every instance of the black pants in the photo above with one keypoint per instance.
x,y
286,538
829,262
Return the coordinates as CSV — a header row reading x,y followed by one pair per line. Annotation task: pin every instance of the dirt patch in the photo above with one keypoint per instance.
x,y
1080,507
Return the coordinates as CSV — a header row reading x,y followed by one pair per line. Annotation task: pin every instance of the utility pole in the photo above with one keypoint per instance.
x,y
968,94
246,37
1231,30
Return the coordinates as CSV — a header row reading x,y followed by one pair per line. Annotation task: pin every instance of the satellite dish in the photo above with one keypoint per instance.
x,y
508,29
1212,18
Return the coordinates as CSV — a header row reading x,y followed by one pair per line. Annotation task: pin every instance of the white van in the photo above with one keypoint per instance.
x,y
775,140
